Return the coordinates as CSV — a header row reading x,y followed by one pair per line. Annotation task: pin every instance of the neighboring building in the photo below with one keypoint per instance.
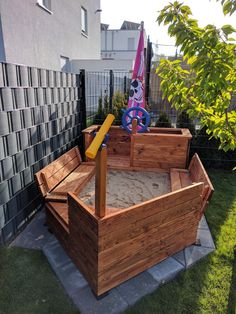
x,y
49,33
120,44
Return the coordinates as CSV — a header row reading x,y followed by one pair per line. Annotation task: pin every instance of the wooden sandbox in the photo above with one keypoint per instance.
x,y
112,246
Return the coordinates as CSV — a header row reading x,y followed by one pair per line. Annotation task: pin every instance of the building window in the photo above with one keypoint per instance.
x,y
45,4
84,21
131,43
65,64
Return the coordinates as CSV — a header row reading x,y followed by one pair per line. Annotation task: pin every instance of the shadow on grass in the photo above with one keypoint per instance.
x,y
205,287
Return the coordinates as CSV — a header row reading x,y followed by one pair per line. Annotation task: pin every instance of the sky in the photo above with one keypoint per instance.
x,y
205,11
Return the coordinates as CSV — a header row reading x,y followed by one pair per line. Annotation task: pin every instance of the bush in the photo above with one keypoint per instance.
x,y
210,154
184,121
163,121
100,116
119,102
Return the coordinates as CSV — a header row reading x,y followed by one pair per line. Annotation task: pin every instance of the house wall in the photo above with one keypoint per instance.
x,y
114,43
35,37
101,65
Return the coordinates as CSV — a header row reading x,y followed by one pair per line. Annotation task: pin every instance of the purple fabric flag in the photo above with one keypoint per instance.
x,y
136,93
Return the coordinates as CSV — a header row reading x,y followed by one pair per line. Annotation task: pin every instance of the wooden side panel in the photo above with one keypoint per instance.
x,y
160,150
199,174
119,142
44,180
139,237
83,227
58,225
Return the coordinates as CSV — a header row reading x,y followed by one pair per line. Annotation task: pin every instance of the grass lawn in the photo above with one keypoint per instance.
x,y
27,284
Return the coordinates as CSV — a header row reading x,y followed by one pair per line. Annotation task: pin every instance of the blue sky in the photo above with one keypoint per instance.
x,y
205,11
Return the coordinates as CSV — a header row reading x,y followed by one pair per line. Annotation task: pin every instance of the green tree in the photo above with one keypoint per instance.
x,y
206,88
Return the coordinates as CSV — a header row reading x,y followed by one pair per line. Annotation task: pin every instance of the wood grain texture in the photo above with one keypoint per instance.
x,y
199,174
159,150
57,170
100,182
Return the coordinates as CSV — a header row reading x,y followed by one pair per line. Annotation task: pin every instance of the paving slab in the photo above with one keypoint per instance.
x,y
180,257
205,238
137,287
194,253
35,235
203,223
166,270
112,303
69,275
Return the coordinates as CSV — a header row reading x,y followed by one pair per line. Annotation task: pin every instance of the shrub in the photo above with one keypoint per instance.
x,y
184,121
100,116
118,102
163,121
210,154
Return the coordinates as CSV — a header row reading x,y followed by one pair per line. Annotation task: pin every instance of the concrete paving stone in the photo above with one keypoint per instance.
x,y
24,78
194,253
137,287
16,120
7,99
11,74
4,192
20,98
4,126
203,223
205,238
35,235
166,270
16,183
57,257
87,303
7,168
30,97
179,257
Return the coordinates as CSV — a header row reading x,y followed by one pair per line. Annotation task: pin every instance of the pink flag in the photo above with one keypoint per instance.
x,y
136,93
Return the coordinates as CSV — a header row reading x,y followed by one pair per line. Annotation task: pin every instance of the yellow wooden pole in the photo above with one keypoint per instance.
x,y
91,152
100,182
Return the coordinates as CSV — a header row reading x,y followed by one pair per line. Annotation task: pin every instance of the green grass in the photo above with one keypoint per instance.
x,y
210,285
27,284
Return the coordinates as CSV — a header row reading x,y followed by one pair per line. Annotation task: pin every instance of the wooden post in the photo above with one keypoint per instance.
x,y
134,126
100,182
133,132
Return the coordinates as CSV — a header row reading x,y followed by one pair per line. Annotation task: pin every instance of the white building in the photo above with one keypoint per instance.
x,y
118,49
120,44
49,33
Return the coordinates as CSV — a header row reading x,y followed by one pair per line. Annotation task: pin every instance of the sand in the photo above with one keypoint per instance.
x,y
127,188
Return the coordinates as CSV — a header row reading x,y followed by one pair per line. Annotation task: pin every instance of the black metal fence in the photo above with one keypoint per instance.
x,y
104,85
42,113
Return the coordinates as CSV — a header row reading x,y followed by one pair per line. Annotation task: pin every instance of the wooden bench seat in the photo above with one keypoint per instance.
x,y
65,174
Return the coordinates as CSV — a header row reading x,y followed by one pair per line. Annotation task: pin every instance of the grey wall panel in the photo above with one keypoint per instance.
x,y
7,100
38,116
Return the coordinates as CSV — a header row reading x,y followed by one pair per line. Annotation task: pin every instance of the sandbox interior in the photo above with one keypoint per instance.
x,y
128,188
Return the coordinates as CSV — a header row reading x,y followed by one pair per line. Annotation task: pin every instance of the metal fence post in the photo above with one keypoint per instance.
x,y
80,80
125,83
111,88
